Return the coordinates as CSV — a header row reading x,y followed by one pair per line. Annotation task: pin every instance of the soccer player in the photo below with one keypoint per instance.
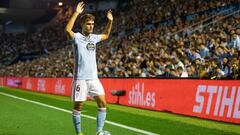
x,y
85,81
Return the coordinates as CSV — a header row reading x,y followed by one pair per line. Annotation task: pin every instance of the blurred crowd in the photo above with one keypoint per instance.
x,y
14,44
143,43
57,64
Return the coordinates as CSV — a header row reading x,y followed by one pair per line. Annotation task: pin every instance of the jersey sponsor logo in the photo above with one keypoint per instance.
x,y
137,96
222,101
59,87
91,46
41,85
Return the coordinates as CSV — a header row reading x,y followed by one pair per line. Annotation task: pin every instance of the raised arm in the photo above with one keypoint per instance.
x,y
108,27
68,28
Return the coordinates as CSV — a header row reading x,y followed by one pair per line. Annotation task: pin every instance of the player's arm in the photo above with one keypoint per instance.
x,y
68,28
108,27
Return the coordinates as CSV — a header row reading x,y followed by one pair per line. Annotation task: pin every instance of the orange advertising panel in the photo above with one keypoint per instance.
x,y
217,100
59,86
2,81
210,99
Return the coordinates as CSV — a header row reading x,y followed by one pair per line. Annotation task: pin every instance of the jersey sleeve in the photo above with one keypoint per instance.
x,y
75,38
96,38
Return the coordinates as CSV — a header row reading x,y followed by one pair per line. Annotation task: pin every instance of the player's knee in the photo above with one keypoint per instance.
x,y
102,104
78,106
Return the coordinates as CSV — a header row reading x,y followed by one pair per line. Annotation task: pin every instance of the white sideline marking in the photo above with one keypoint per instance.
x,y
83,115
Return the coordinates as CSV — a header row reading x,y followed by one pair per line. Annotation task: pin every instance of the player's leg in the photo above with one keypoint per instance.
x,y
97,92
101,114
79,94
76,115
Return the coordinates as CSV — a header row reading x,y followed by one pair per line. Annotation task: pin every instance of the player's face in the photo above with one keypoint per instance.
x,y
88,27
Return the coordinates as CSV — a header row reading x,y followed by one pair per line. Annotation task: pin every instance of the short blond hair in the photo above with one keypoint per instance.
x,y
86,17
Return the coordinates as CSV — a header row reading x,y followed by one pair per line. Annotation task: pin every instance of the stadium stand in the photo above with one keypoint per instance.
x,y
150,38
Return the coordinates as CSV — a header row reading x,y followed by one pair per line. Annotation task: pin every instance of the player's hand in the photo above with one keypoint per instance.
x,y
109,15
80,8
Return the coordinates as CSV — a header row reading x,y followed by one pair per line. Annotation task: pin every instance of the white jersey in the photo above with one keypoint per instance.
x,y
85,67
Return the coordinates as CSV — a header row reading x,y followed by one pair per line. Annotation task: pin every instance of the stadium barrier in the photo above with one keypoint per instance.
x,y
210,99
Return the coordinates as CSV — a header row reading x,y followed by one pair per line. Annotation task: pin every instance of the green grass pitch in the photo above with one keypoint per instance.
x,y
18,117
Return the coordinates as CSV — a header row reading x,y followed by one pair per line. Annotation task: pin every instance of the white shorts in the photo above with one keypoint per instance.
x,y
83,88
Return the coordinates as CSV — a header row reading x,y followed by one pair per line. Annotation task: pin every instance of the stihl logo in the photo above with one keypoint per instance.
x,y
137,96
219,98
